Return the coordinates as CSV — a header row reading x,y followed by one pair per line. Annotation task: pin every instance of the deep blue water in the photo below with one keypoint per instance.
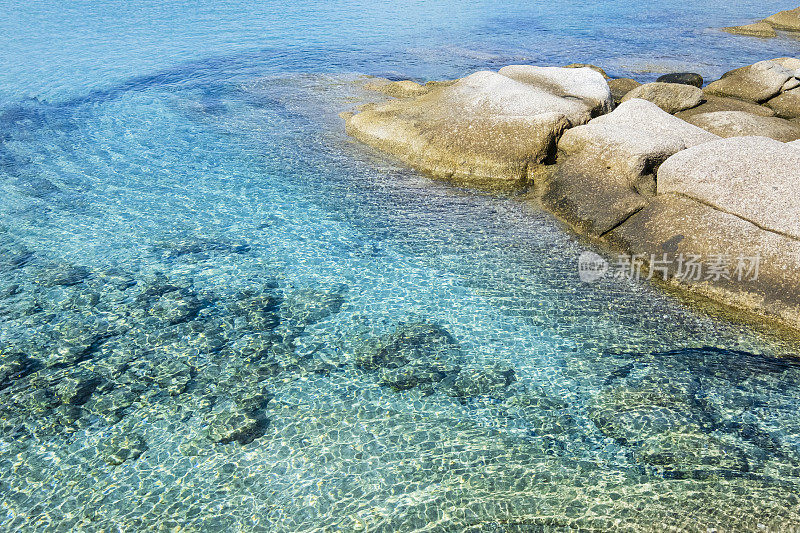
x,y
187,232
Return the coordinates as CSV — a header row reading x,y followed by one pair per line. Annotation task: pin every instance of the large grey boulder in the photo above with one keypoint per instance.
x,y
487,129
584,83
671,97
740,124
758,82
754,178
606,168
636,136
786,104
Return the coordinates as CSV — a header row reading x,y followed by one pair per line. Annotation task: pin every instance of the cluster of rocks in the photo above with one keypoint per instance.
x,y
784,21
89,349
666,170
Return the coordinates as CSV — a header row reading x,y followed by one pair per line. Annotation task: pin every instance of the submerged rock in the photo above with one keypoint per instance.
x,y
486,129
78,387
417,374
308,306
739,124
415,342
686,78
661,422
121,447
15,365
176,306
397,89
229,422
671,97
64,275
477,382
173,376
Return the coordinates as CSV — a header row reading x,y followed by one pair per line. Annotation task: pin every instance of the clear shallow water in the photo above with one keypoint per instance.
x,y
187,234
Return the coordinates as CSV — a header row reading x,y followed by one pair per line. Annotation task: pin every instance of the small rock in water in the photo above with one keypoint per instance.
x,y
757,29
173,376
176,307
259,309
686,78
77,388
416,374
308,306
229,422
65,275
410,342
122,447
473,382
111,406
14,366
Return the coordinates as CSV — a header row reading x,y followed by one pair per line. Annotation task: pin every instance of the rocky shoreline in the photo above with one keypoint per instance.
x,y
788,21
694,185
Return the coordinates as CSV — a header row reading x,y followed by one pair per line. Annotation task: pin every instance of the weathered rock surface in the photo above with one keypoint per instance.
x,y
486,129
712,104
676,227
787,104
740,124
785,20
582,83
587,65
758,82
671,97
757,29
622,86
397,89
686,78
606,165
753,178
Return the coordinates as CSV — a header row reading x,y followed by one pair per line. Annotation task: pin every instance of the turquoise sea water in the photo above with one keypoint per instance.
x,y
218,313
